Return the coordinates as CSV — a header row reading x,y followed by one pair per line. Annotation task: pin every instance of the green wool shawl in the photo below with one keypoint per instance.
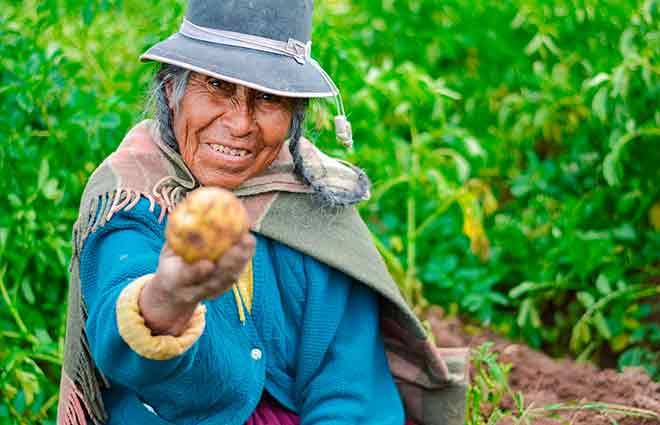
x,y
432,382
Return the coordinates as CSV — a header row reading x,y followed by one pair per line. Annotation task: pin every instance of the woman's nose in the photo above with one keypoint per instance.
x,y
240,118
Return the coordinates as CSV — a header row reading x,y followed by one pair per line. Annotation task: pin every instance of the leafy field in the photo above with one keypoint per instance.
x,y
514,149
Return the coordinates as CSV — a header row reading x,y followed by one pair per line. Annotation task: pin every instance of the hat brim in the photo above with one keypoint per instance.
x,y
268,72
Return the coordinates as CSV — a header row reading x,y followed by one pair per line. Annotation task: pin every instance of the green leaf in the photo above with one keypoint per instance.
x,y
474,147
462,165
535,43
50,190
14,200
498,298
25,101
44,170
523,312
603,284
495,417
602,326
110,120
586,299
522,288
620,81
26,289
519,400
550,45
580,335
625,232
19,402
42,336
4,234
29,384
611,168
599,104
626,43
447,263
88,12
442,90
598,79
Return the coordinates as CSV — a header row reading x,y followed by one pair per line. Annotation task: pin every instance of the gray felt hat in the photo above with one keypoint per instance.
x,y
262,44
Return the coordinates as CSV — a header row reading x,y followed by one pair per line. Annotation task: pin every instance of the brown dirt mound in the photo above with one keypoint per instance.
x,y
544,380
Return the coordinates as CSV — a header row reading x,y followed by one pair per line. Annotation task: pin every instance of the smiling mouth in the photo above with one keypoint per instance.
x,y
237,152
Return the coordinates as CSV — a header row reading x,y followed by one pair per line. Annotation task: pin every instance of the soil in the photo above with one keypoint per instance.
x,y
544,380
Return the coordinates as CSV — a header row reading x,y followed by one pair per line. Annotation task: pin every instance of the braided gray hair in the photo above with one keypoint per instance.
x,y
160,103
164,109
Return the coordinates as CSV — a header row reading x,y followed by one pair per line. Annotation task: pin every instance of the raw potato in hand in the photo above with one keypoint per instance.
x,y
206,224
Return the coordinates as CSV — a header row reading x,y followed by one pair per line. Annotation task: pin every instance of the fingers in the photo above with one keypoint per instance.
x,y
207,278
236,257
248,239
230,266
246,245
201,270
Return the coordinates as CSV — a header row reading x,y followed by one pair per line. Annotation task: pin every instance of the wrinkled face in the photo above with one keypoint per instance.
x,y
228,133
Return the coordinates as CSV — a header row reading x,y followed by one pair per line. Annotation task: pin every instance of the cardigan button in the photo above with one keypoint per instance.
x,y
256,354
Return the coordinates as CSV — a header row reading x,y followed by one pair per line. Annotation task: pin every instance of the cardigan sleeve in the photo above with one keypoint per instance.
x,y
348,380
114,257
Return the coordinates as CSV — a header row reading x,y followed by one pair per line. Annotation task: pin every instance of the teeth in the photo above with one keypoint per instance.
x,y
229,151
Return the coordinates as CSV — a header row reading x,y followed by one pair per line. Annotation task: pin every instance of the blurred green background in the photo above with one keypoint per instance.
x,y
513,146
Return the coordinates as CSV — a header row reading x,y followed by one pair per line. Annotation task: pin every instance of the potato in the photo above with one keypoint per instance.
x,y
206,224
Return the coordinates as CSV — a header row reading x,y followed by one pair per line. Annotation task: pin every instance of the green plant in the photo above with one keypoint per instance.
x,y
558,128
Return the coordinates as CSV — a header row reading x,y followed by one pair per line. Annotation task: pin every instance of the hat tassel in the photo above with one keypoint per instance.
x,y
343,129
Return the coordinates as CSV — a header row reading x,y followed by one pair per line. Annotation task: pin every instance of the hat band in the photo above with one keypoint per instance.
x,y
295,49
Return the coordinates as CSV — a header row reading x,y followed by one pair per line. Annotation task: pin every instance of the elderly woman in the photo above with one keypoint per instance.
x,y
299,321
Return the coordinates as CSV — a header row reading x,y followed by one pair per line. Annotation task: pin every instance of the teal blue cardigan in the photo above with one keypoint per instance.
x,y
315,331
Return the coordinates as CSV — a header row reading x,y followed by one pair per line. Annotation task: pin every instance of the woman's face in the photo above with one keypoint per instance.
x,y
228,133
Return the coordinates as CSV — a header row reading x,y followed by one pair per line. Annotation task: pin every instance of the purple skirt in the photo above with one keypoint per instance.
x,y
270,412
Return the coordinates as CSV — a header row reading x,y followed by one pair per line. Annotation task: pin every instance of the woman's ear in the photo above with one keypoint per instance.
x,y
168,85
168,92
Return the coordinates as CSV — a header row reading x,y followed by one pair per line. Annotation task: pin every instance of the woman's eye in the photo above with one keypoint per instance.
x,y
272,100
219,85
267,97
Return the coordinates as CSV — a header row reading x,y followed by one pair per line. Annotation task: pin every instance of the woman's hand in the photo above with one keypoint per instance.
x,y
168,301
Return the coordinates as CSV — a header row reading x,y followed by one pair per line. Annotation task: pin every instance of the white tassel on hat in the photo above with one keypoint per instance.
x,y
343,129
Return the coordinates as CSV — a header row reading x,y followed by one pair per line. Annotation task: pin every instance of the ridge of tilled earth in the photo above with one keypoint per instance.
x,y
544,380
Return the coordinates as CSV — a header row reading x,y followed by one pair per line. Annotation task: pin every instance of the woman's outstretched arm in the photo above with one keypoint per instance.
x,y
114,257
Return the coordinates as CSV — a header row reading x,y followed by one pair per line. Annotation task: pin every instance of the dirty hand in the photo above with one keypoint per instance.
x,y
168,301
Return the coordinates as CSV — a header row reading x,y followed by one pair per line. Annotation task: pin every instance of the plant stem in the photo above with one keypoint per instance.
x,y
605,407
390,257
46,358
643,292
437,213
411,271
383,188
43,412
10,305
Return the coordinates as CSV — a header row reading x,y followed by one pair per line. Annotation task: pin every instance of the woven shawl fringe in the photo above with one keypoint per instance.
x,y
80,387
73,406
80,395
166,195
91,383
